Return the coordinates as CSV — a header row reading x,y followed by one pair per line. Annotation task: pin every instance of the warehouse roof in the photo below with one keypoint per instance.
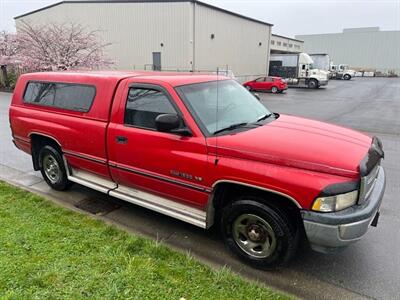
x,y
144,1
285,37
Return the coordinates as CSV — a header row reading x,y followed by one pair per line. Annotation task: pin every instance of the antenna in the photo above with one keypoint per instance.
x,y
216,120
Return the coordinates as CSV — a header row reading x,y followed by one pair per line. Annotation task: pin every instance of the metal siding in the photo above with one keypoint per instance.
x,y
285,49
236,43
359,49
136,30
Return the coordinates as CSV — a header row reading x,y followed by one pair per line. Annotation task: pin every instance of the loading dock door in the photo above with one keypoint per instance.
x,y
157,61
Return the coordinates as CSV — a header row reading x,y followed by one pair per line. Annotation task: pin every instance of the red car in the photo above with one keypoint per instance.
x,y
273,84
203,151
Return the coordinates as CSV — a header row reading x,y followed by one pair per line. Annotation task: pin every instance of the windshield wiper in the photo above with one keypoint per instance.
x,y
265,117
231,127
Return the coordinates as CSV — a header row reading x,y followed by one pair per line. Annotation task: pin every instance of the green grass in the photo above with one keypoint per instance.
x,y
50,252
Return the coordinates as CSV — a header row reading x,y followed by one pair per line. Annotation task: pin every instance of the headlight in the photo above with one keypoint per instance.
x,y
335,203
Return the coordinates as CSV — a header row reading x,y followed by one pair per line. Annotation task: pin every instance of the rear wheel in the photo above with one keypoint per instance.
x,y
274,90
260,235
53,169
313,84
346,77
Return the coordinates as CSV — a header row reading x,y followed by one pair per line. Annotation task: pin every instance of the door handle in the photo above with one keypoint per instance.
x,y
121,139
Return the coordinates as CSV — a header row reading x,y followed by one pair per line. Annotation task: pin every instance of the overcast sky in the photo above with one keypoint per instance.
x,y
290,17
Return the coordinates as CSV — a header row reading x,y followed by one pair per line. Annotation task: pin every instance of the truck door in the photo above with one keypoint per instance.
x,y
303,70
142,159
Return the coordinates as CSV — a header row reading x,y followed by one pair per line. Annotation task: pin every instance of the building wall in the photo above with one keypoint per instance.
x,y
134,29
281,44
364,48
236,43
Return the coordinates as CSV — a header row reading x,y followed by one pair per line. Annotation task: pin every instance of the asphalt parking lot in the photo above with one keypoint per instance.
x,y
369,268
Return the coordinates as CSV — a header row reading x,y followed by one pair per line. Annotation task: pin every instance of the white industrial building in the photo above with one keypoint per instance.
x,y
283,44
368,49
168,34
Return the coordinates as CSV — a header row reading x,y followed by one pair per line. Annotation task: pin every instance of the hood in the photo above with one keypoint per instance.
x,y
300,143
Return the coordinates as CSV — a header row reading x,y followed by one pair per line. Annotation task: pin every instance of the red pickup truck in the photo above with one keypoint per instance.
x,y
202,149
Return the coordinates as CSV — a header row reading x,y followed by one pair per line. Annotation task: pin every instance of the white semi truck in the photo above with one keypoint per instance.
x,y
341,72
321,61
297,70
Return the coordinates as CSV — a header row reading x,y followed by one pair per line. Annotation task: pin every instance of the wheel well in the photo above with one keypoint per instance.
x,y
225,193
38,142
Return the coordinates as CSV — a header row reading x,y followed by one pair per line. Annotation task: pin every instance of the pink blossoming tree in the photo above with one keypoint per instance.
x,y
60,47
9,49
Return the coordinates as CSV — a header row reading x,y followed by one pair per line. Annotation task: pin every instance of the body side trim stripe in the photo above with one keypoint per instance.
x,y
188,185
84,156
21,139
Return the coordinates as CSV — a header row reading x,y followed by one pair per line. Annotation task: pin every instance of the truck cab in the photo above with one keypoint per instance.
x,y
297,70
342,71
202,149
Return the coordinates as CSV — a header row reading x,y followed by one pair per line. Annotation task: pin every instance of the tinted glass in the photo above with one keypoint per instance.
x,y
144,105
217,105
261,79
69,96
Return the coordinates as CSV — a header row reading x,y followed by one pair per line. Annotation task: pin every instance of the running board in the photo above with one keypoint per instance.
x,y
159,204
91,180
164,206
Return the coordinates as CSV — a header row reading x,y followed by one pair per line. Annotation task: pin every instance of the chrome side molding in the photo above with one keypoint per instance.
x,y
90,180
159,204
162,205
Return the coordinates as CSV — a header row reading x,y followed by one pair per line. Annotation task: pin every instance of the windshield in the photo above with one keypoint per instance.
x,y
235,104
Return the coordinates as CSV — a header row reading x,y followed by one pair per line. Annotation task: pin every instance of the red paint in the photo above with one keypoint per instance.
x,y
294,156
266,84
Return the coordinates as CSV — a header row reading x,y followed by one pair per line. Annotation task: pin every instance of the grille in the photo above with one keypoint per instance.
x,y
368,183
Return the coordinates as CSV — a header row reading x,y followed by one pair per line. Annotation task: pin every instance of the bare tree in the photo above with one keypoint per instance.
x,y
60,47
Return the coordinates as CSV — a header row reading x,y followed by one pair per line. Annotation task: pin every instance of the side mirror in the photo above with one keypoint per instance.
x,y
171,123
167,122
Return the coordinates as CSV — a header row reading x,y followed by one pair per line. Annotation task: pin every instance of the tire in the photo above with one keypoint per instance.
x,y
53,169
260,235
274,90
346,77
248,88
312,84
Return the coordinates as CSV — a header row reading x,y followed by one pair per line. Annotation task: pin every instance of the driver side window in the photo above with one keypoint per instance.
x,y
261,79
144,105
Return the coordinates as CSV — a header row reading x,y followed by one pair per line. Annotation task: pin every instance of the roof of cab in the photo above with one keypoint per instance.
x,y
172,78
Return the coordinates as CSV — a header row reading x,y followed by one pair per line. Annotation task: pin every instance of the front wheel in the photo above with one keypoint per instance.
x,y
53,169
346,77
258,234
274,90
313,84
248,88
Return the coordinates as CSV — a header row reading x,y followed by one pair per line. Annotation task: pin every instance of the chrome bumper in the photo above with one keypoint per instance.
x,y
323,82
329,232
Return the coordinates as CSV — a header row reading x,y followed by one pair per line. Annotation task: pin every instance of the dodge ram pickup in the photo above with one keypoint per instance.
x,y
204,150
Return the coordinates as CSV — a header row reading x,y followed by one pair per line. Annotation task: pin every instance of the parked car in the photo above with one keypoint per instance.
x,y
202,149
273,84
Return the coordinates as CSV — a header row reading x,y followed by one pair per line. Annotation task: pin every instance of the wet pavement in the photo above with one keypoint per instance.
x,y
369,268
